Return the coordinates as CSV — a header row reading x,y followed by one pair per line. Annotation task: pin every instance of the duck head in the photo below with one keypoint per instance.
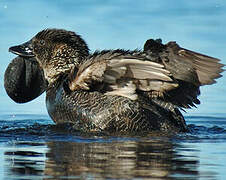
x,y
56,50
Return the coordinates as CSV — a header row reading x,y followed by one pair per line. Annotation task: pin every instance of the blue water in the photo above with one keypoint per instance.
x,y
32,147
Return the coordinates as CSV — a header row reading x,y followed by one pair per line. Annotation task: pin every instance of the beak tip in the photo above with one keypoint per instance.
x,y
22,50
11,50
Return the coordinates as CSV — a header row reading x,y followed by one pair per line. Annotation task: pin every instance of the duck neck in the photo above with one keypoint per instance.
x,y
52,72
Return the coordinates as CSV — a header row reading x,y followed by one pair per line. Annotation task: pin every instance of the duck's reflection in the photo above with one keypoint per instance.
x,y
152,158
127,159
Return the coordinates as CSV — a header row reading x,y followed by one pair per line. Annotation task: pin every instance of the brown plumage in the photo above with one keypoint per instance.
x,y
118,90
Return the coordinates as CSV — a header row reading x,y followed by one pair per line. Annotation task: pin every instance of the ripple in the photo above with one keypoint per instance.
x,y
35,147
35,127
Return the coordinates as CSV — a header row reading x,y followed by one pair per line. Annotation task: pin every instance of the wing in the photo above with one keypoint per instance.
x,y
122,73
168,72
190,69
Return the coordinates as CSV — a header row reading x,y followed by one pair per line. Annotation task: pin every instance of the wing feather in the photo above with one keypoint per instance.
x,y
173,73
140,69
123,74
207,68
190,69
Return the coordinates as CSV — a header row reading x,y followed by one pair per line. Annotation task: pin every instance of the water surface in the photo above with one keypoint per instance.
x,y
38,149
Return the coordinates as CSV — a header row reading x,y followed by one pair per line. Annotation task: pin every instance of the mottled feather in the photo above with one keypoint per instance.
x,y
190,69
123,74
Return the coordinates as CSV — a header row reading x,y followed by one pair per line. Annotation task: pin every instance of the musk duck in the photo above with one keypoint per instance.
x,y
111,90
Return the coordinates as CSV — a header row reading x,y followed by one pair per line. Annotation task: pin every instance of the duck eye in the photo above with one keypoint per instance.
x,y
42,42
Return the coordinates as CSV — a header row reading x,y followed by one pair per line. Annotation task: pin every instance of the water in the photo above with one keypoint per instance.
x,y
32,147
